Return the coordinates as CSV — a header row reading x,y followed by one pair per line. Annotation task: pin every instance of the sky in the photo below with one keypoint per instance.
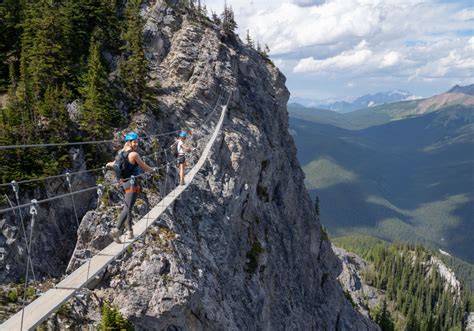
x,y
335,48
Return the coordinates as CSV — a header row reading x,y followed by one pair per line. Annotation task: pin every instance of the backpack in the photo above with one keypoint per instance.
x,y
174,148
122,165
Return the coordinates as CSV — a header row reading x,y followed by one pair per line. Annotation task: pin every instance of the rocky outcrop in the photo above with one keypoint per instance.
x,y
365,297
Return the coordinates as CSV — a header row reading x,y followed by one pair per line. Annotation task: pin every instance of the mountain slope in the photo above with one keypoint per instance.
x,y
242,249
405,277
409,179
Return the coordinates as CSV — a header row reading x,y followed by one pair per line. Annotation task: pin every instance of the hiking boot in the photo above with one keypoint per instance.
x,y
181,182
115,234
130,234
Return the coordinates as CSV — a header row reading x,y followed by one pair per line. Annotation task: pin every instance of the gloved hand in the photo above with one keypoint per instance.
x,y
155,169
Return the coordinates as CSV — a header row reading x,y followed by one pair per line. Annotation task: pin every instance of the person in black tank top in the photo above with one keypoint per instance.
x,y
132,166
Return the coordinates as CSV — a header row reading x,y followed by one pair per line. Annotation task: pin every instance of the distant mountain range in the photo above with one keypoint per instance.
x,y
347,104
400,171
377,115
463,89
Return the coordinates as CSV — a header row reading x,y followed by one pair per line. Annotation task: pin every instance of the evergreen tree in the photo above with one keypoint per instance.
x,y
215,18
228,23
113,320
385,318
316,205
266,50
133,68
249,40
10,32
44,46
53,114
98,115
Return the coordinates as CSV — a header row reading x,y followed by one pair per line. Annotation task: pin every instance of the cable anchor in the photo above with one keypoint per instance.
x,y
68,178
15,187
33,208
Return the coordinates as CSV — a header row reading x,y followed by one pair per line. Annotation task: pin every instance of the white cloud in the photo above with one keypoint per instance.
x,y
390,59
465,14
343,61
457,63
399,42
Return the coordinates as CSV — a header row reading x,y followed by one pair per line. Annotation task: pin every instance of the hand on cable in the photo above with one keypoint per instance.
x,y
155,169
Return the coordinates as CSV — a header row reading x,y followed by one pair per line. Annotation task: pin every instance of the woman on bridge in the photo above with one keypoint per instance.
x,y
182,150
127,164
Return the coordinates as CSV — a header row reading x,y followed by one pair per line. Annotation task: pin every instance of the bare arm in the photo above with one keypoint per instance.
x,y
134,157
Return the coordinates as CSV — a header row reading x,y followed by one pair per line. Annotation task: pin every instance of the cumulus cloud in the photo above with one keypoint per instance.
x,y
390,59
465,14
395,41
346,60
456,63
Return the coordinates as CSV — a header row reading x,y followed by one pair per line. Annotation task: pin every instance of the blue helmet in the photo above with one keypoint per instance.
x,y
131,136
183,134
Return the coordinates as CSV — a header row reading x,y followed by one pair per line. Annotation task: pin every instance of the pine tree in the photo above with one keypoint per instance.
x,y
98,115
10,32
215,18
133,68
316,205
228,23
266,50
382,317
43,46
249,40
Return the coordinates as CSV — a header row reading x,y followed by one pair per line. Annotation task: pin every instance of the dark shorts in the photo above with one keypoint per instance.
x,y
181,159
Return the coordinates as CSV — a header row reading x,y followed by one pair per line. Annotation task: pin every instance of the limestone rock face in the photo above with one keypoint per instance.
x,y
242,248
364,296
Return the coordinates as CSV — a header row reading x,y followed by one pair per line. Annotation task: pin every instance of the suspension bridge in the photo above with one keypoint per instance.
x,y
36,312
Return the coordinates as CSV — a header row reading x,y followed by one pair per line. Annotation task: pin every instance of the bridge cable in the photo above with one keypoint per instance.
x,y
33,212
68,179
79,143
92,142
25,238
73,193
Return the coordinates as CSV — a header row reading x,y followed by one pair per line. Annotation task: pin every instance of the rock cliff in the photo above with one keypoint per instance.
x,y
54,232
242,249
364,296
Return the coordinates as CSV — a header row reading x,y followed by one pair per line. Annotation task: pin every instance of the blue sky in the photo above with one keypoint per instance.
x,y
332,48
